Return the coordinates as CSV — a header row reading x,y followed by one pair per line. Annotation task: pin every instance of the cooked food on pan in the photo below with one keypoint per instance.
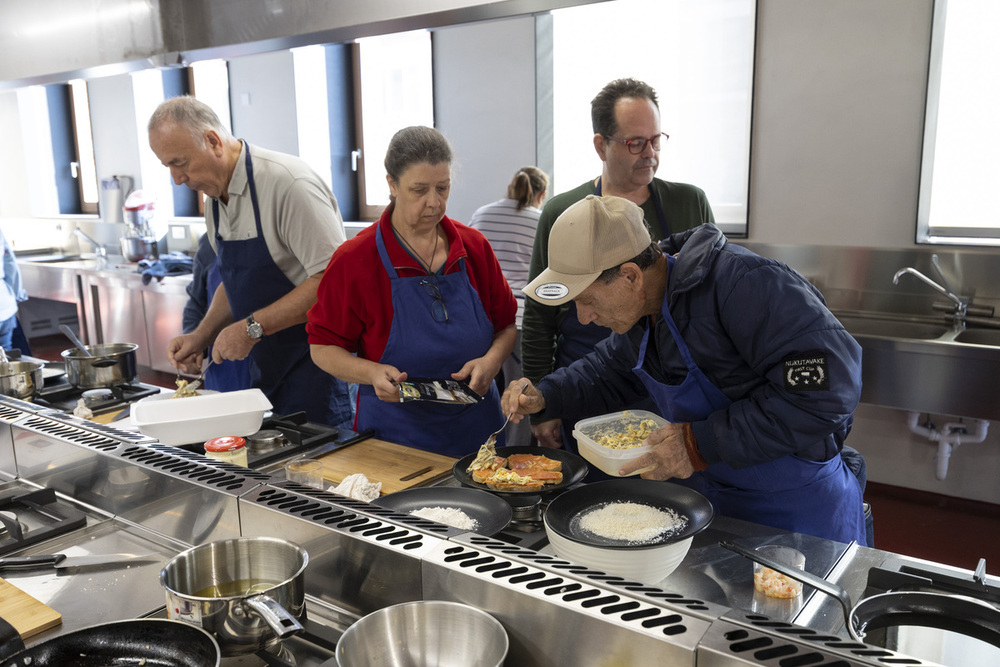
x,y
518,472
182,389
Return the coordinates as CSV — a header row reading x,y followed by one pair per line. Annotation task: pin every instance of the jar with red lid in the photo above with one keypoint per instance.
x,y
228,448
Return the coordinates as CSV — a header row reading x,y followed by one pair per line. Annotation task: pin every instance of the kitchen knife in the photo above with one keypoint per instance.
x,y
62,562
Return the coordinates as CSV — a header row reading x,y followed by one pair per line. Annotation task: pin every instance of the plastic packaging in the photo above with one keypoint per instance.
x,y
588,431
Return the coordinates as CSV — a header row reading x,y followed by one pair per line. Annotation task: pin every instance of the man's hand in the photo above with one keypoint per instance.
x,y
521,398
548,434
669,458
232,343
185,353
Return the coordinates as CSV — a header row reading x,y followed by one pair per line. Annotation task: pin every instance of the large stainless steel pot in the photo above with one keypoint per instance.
x,y
21,379
111,365
953,613
249,592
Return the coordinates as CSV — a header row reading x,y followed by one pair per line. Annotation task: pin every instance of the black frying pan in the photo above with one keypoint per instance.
x,y
574,468
146,641
561,512
492,514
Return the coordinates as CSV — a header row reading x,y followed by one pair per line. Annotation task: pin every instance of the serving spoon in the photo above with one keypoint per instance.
x,y
96,361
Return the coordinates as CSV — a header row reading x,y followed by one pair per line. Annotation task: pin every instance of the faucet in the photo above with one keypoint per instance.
x,y
960,306
99,250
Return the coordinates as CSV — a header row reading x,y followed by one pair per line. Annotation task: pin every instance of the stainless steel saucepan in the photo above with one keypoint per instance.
x,y
21,379
109,365
249,592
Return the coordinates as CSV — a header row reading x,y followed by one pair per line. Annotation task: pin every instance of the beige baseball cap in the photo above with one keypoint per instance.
x,y
592,235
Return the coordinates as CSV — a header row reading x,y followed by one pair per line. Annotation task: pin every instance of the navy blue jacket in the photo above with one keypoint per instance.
x,y
750,323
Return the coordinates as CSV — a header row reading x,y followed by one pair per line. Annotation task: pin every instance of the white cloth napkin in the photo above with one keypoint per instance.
x,y
358,487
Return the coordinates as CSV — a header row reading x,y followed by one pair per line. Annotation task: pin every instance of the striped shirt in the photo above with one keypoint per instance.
x,y
511,233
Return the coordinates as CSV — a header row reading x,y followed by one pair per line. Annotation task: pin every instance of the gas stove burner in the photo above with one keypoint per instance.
x,y
526,507
267,440
100,400
38,516
10,526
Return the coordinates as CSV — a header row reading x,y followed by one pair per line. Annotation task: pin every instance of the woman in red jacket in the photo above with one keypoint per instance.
x,y
416,295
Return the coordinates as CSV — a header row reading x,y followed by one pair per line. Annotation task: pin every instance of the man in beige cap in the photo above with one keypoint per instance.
x,y
739,352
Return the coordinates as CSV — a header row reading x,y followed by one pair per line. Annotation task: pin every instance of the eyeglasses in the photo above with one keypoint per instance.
x,y
637,146
438,309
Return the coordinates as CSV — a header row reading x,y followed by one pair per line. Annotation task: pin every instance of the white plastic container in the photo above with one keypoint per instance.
x,y
196,419
588,431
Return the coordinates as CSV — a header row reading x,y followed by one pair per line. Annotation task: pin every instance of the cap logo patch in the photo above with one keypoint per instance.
x,y
551,291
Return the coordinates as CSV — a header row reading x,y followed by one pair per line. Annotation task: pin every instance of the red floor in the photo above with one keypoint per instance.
x,y
947,530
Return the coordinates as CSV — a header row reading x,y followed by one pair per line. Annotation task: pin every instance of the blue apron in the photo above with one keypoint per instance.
x,y
279,363
423,347
230,375
821,499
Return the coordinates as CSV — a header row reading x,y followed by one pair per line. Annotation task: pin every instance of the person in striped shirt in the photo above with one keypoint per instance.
x,y
509,225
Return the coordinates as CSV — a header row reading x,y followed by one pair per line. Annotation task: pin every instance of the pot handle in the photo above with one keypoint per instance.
x,y
818,583
272,613
10,640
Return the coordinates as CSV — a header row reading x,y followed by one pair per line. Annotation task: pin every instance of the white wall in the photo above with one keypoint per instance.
x,y
837,123
486,110
262,99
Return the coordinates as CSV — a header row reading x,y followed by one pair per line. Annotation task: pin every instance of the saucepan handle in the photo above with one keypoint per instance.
x,y
276,616
818,583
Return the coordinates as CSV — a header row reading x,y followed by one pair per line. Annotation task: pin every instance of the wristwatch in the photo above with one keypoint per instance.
x,y
254,330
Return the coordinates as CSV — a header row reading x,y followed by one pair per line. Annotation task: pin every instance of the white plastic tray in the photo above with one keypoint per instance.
x,y
192,420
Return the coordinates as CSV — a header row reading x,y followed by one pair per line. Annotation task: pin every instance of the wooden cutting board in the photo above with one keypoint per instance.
x,y
25,613
394,465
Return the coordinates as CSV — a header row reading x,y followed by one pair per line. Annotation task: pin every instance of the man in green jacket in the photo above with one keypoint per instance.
x,y
628,139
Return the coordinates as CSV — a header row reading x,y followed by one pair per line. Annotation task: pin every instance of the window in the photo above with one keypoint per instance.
x,y
698,57
59,148
961,134
396,91
85,171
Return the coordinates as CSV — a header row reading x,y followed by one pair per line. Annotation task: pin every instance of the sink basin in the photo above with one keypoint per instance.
x,y
51,259
979,337
892,328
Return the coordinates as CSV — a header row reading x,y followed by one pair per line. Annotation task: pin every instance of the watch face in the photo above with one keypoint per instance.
x,y
254,329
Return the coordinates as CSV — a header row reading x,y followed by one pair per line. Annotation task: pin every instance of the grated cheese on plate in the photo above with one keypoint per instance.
x,y
447,515
633,523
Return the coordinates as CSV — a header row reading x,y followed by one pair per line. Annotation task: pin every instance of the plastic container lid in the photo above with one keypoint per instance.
x,y
226,443
609,460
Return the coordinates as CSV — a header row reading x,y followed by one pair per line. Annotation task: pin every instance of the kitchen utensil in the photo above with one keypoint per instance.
x,y
114,365
492,439
23,379
53,370
308,472
954,613
28,615
249,592
574,468
588,431
648,562
490,512
151,641
200,418
193,386
135,248
385,462
69,333
425,632
62,562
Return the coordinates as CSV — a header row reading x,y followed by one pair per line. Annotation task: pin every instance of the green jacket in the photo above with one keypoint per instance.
x,y
684,207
